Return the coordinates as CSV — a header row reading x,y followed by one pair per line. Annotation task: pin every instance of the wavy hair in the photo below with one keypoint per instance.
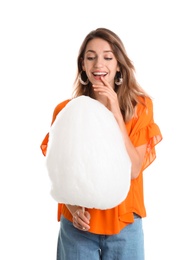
x,y
129,92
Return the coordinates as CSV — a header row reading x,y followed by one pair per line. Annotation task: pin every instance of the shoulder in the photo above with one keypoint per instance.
x,y
59,107
145,105
145,101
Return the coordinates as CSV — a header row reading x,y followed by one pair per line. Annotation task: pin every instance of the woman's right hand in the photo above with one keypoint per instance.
x,y
81,218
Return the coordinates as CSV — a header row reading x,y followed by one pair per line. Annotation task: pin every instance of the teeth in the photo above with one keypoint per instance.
x,y
99,74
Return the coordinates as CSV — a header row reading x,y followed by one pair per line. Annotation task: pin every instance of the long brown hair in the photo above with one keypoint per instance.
x,y
129,91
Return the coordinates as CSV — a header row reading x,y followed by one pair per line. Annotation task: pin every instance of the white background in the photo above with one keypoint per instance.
x,y
39,43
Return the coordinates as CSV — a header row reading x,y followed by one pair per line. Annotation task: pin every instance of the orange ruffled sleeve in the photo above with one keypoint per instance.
x,y
143,130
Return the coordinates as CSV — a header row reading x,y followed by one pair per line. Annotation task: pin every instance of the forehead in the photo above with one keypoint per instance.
x,y
98,45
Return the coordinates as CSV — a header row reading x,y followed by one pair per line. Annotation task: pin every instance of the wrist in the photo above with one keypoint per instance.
x,y
73,209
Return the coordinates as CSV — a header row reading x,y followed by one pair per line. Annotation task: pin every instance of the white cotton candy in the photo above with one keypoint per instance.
x,y
86,159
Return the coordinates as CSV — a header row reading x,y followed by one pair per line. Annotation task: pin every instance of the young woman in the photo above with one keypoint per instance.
x,y
106,73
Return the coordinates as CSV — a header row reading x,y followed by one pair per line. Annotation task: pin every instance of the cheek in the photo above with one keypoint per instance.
x,y
86,66
114,71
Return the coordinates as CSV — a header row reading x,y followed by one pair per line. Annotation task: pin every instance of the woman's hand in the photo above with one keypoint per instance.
x,y
81,219
112,100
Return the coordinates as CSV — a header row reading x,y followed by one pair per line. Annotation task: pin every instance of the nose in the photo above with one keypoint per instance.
x,y
99,62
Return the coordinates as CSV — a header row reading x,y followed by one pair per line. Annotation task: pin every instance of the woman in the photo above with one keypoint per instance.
x,y
106,73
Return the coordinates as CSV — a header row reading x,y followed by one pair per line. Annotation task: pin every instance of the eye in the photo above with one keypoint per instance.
x,y
108,58
90,58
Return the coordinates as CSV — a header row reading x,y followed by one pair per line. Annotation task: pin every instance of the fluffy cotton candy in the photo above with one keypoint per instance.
x,y
86,159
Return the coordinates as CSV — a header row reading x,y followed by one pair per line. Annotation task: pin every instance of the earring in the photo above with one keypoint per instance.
x,y
86,80
118,78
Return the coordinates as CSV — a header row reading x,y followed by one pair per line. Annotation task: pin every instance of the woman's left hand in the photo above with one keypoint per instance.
x,y
112,99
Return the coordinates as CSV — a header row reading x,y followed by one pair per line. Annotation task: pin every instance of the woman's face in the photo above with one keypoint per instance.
x,y
99,61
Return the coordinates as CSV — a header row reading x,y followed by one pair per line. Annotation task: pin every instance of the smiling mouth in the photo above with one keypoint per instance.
x,y
99,74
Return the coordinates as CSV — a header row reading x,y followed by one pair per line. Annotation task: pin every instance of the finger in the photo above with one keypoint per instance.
x,y
81,219
82,223
80,227
104,81
82,215
107,84
101,89
105,88
87,214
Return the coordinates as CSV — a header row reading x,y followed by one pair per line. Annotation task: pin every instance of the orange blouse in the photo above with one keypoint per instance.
x,y
141,130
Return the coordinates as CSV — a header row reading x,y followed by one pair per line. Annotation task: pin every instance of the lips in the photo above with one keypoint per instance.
x,y
99,74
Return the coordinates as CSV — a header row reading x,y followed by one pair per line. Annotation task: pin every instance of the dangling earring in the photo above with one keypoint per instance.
x,y
86,80
118,78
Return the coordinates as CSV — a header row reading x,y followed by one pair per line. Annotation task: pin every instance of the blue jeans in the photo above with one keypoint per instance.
x,y
74,244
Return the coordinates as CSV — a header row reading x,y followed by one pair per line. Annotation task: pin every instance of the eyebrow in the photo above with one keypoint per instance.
x,y
103,51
